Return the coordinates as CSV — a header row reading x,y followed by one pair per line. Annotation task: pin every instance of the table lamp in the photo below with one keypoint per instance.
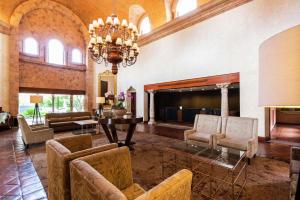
x,y
100,101
36,99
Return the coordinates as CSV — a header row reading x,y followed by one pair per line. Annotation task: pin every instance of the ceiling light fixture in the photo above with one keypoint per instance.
x,y
113,42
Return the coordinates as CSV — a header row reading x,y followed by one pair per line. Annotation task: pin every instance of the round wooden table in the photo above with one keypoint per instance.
x,y
108,125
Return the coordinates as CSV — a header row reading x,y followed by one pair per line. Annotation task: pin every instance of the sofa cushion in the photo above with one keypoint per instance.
x,y
81,118
133,191
59,119
233,143
201,137
60,124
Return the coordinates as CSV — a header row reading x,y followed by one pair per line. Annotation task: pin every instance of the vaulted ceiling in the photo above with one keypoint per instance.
x,y
88,10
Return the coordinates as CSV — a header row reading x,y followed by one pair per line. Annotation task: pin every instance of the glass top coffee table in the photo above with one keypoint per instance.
x,y
219,173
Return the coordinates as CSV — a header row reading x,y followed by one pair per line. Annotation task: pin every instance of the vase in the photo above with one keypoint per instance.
x,y
119,113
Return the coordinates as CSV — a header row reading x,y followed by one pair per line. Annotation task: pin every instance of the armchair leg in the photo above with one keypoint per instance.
x,y
249,161
254,156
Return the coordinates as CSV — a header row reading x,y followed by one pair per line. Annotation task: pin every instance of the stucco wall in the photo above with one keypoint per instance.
x,y
4,71
223,44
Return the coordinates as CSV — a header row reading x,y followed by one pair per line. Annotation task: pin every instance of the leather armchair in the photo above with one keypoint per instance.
x,y
239,133
60,152
294,171
108,176
34,134
205,126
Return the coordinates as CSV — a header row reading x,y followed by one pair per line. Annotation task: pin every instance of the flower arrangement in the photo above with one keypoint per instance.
x,y
120,101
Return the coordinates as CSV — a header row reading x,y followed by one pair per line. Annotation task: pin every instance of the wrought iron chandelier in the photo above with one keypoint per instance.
x,y
113,42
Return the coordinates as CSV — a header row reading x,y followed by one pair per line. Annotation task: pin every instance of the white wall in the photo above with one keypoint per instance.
x,y
223,44
4,71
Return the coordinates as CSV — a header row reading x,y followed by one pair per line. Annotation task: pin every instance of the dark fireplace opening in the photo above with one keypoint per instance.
x,y
181,105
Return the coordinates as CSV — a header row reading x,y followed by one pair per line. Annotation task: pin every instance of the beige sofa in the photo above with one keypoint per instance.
x,y
294,171
33,134
65,121
108,176
238,133
60,152
205,126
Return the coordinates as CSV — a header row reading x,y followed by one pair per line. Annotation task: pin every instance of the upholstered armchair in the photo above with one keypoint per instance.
x,y
34,134
108,176
60,152
205,126
294,171
239,133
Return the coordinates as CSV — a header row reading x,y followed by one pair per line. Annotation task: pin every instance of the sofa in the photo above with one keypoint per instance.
x,y
34,134
239,133
205,126
294,172
65,121
60,152
108,176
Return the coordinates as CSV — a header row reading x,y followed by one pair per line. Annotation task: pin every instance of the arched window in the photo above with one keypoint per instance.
x,y
185,6
145,26
76,56
31,46
56,52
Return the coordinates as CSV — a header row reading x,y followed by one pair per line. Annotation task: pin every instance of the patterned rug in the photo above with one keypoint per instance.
x,y
267,178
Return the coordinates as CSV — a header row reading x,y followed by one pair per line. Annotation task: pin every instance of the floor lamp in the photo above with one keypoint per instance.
x,y
36,99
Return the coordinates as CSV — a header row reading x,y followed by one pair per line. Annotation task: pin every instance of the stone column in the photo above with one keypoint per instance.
x,y
224,98
152,110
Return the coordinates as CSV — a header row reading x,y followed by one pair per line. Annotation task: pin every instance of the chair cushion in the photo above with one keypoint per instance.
x,y
60,119
81,118
201,137
133,191
233,143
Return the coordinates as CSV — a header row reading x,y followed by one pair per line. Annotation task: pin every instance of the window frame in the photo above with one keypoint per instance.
x,y
48,53
175,8
30,54
140,21
82,57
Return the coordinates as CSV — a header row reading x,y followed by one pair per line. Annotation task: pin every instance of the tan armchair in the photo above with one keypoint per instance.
x,y
205,126
239,133
294,171
108,176
34,134
60,152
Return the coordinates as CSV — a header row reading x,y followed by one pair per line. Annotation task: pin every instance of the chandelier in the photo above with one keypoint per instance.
x,y
113,42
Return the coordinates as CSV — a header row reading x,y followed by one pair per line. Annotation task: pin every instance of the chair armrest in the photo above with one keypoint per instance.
x,y
188,132
252,147
178,185
216,138
43,131
90,151
38,127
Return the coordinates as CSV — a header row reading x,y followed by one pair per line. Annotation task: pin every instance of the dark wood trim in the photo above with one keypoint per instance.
x,y
263,139
208,10
195,82
51,91
4,28
38,62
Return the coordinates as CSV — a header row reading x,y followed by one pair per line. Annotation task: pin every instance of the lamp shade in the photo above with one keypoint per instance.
x,y
36,99
100,100
279,70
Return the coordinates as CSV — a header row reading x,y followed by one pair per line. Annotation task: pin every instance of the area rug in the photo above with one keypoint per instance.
x,y
267,178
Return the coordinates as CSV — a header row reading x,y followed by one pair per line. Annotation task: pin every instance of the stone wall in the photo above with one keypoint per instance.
x,y
44,20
